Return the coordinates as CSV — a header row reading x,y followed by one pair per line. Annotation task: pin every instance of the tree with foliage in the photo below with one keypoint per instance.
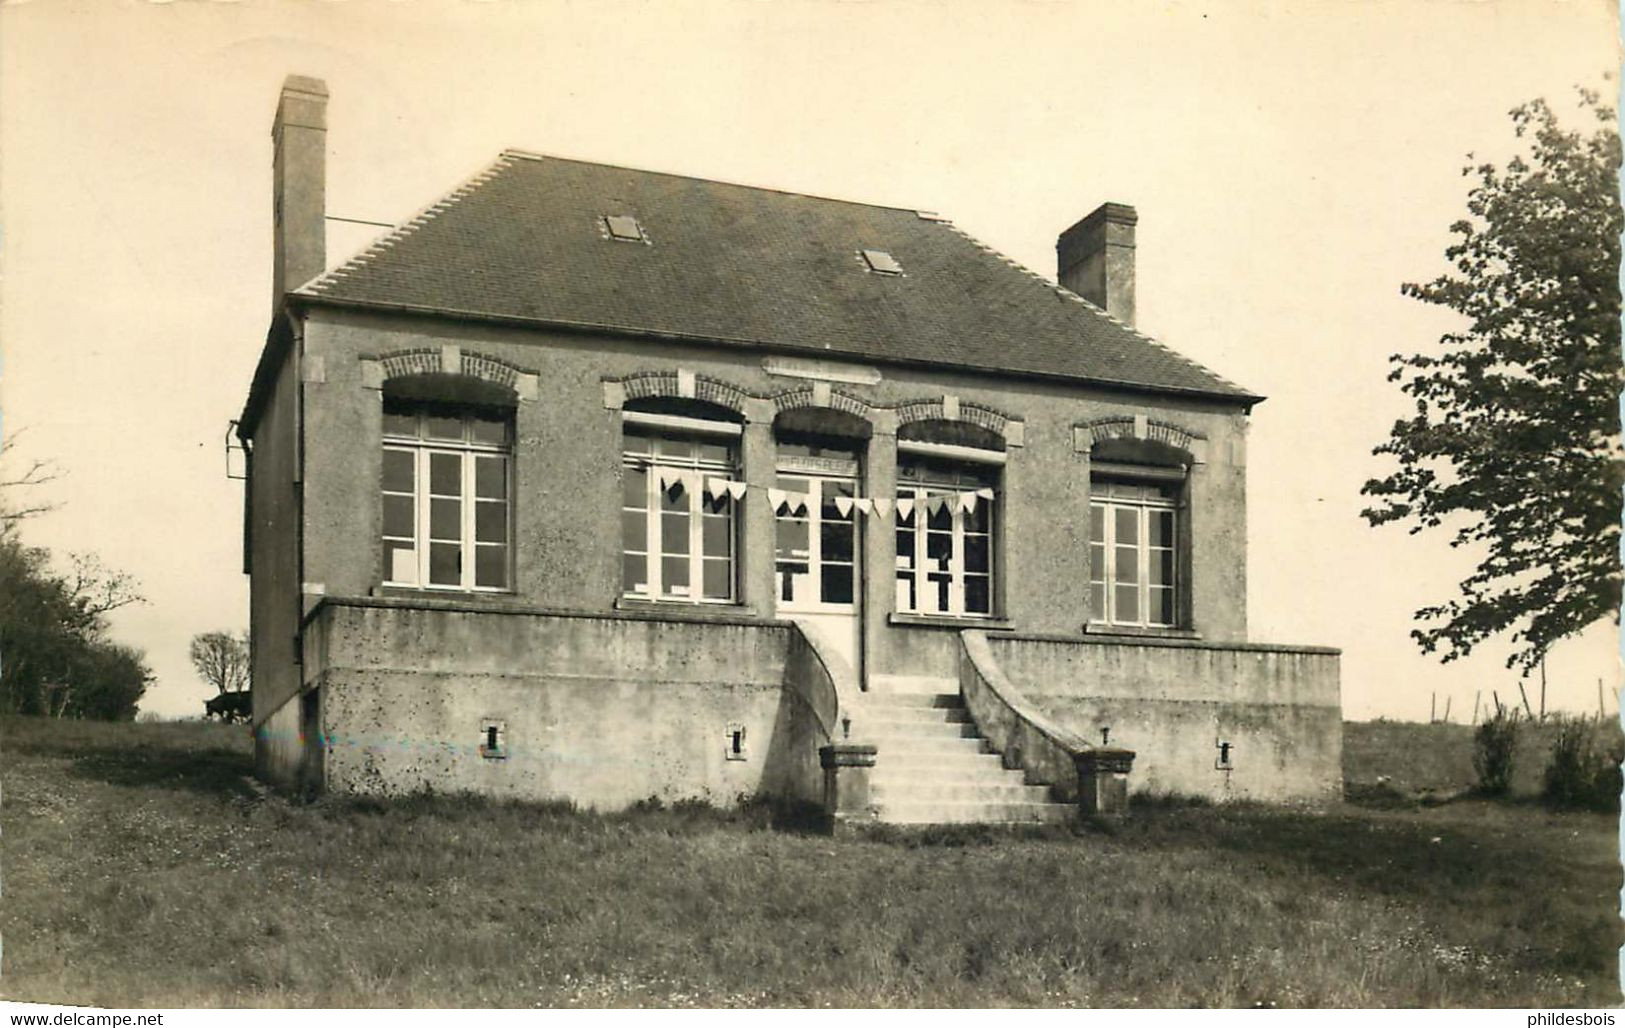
x,y
107,680
55,657
1514,440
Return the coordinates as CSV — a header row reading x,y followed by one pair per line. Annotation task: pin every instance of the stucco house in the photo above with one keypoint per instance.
x,y
597,484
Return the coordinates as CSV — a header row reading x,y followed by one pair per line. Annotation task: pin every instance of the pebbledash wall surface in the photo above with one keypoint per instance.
x,y
569,680
608,722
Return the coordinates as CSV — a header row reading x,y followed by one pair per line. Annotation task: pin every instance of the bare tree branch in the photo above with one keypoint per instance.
x,y
38,473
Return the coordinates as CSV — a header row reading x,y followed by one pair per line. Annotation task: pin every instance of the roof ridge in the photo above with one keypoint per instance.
x,y
531,155
1068,294
404,229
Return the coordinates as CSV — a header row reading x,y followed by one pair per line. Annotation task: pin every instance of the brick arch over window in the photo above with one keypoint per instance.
x,y
448,374
451,361
411,362
795,399
994,421
669,385
720,393
1118,427
650,383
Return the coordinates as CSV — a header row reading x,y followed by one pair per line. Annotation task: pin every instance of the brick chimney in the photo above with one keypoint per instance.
x,y
298,186
1095,259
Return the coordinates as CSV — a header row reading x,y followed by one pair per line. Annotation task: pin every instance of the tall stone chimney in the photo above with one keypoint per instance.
x,y
298,186
1095,259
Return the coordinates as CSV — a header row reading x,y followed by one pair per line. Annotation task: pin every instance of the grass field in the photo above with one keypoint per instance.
x,y
1422,758
140,870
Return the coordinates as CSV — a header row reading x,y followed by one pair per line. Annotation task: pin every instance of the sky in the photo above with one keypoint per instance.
x,y
1292,165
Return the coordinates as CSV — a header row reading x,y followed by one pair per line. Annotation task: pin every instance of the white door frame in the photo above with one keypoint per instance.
x,y
839,624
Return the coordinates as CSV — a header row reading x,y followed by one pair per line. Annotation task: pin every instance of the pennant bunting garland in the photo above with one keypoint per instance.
x,y
669,477
797,503
717,488
782,499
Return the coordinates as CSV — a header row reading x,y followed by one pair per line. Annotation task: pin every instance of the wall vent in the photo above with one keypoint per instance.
x,y
733,742
493,739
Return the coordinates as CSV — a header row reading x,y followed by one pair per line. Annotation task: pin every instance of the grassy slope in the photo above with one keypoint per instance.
x,y
140,871
1438,758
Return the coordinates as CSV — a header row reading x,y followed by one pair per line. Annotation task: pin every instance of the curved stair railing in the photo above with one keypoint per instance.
x,y
1094,777
828,684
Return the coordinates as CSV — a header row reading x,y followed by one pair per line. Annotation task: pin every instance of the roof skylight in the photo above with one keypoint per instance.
x,y
624,227
881,263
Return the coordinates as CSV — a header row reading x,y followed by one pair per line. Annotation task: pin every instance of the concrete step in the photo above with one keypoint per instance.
x,y
899,785
910,699
934,767
907,705
949,813
956,791
921,765
913,715
998,779
911,684
946,770
934,746
882,732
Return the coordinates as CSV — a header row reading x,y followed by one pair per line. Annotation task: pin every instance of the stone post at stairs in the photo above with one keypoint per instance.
x,y
846,784
1103,781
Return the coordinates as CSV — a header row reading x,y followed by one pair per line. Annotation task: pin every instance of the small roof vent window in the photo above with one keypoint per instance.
x,y
881,263
624,227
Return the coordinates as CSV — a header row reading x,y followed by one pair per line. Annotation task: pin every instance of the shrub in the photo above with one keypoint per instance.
x,y
1583,773
1494,746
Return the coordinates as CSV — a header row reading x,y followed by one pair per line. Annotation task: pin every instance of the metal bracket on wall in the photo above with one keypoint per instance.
x,y
236,469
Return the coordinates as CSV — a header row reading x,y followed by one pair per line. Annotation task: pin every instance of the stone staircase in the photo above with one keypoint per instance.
x,y
934,767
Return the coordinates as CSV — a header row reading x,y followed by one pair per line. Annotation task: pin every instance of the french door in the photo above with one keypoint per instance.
x,y
817,570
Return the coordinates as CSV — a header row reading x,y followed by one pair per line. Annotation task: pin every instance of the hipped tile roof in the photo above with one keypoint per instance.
x,y
526,241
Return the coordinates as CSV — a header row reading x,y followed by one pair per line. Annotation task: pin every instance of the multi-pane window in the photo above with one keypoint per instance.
x,y
1132,553
678,536
945,518
447,494
815,563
